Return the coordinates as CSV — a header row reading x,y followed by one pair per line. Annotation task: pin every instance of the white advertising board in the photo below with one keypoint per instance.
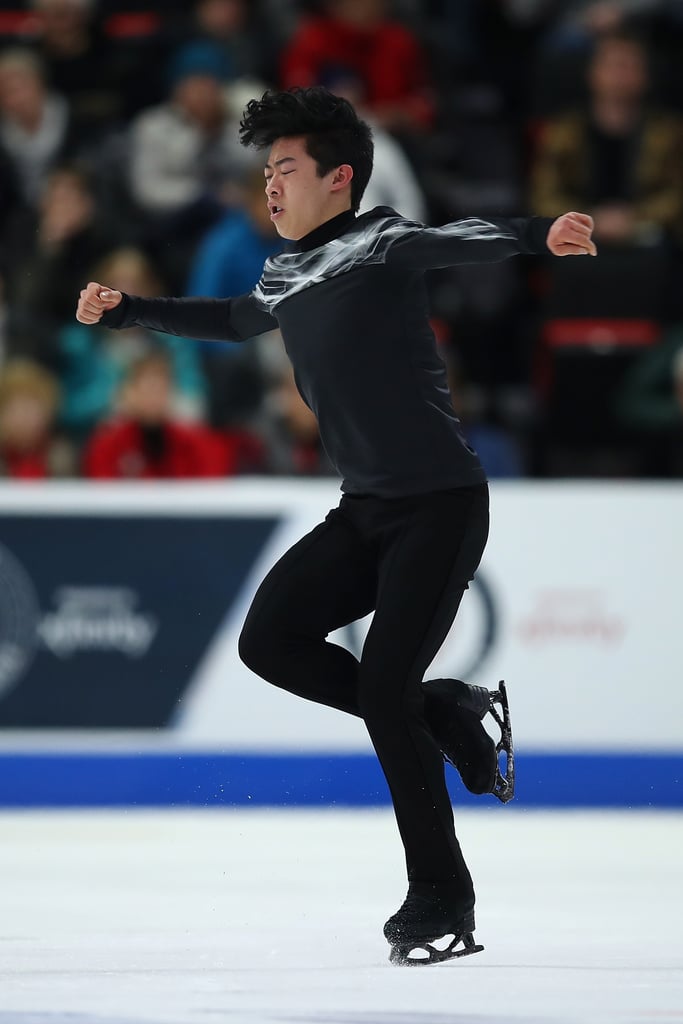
x,y
577,605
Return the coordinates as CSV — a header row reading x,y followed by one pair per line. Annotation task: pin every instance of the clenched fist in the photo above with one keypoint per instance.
x,y
95,300
571,235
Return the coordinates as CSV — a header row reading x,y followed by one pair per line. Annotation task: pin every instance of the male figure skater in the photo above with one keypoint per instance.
x,y
348,296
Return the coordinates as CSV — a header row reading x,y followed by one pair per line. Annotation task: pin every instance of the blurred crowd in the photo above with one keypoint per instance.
x,y
120,162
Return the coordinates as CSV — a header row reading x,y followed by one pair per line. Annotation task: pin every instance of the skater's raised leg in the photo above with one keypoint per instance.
x,y
326,580
455,712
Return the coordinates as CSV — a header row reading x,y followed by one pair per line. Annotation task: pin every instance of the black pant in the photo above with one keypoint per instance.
x,y
410,559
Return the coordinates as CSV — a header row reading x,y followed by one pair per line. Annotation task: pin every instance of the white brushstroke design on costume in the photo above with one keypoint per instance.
x,y
287,274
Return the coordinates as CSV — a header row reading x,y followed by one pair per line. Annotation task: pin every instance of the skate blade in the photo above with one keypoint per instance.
x,y
400,955
504,785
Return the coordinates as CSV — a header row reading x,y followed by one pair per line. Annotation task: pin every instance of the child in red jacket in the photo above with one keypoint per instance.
x,y
147,443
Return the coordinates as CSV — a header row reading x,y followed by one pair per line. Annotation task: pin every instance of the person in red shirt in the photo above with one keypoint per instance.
x,y
357,35
147,443
30,448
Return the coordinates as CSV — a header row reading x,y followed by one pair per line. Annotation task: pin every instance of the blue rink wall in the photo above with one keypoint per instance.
x,y
543,781
120,682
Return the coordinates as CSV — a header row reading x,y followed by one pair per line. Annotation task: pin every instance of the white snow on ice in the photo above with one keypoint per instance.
x,y
275,917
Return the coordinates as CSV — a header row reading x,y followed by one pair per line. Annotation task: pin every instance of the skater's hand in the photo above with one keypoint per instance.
x,y
571,235
95,300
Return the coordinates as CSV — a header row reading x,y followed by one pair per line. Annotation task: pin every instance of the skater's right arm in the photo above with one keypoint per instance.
x,y
205,319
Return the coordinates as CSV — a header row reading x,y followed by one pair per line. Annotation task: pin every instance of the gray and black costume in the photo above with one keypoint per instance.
x,y
409,532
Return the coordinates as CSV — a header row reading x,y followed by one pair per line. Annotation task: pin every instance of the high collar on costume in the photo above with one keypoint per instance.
x,y
322,234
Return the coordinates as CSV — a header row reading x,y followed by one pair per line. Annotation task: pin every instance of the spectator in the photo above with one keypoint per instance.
x,y
146,442
78,61
291,431
393,181
183,151
95,361
484,426
480,57
650,405
51,256
229,262
231,255
34,122
30,449
247,47
566,32
454,29
576,24
619,159
358,36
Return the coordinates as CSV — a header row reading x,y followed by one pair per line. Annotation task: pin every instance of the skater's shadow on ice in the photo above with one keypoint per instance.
x,y
49,1017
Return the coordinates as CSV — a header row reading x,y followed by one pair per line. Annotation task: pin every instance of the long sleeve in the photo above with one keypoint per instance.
x,y
204,319
466,241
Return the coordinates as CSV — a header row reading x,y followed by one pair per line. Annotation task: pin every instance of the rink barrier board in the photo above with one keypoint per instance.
x,y
544,780
121,608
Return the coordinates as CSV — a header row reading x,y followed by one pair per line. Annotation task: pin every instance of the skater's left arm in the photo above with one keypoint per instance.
x,y
475,240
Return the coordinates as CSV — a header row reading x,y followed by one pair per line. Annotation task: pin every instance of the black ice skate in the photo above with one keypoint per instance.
x,y
455,712
430,913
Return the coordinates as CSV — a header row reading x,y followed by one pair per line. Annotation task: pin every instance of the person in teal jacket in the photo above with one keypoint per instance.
x,y
94,366
230,257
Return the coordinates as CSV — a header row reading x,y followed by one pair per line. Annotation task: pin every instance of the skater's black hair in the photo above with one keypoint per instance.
x,y
333,131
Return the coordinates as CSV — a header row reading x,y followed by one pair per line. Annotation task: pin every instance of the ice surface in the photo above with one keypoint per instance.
x,y
253,917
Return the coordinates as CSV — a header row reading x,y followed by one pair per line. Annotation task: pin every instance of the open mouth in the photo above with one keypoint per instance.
x,y
275,211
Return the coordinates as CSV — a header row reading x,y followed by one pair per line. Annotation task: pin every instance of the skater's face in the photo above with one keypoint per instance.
x,y
299,198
